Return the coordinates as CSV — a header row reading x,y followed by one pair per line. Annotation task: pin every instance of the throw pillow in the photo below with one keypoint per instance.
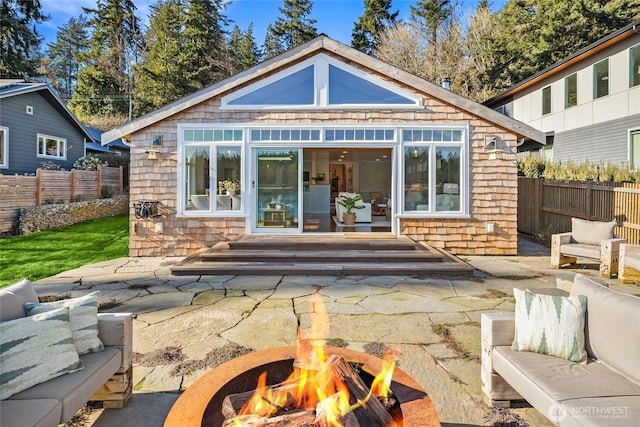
x,y
36,349
591,232
83,312
550,324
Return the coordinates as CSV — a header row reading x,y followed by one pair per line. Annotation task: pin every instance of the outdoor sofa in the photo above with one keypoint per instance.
x,y
44,379
587,239
601,390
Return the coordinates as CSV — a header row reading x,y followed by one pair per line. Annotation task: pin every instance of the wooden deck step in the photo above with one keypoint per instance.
x,y
371,256
354,268
310,245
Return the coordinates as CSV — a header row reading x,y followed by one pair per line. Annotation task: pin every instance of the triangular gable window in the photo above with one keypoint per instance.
x,y
323,82
347,88
294,89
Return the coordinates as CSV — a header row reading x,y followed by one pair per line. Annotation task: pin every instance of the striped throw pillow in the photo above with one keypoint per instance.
x,y
36,349
550,324
83,312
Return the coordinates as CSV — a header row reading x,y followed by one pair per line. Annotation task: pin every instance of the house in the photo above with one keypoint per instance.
x,y
36,127
267,151
116,147
588,104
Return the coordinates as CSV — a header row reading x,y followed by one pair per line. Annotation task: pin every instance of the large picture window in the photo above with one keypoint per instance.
x,y
52,147
433,171
4,147
212,174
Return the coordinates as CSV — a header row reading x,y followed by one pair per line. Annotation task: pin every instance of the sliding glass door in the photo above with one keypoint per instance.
x,y
277,189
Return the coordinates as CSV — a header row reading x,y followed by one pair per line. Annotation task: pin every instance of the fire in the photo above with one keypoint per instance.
x,y
311,386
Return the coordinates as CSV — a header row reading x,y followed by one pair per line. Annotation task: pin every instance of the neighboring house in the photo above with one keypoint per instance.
x,y
116,147
36,127
282,131
588,104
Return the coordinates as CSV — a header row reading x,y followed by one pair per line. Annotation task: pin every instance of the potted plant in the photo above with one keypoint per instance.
x,y
349,203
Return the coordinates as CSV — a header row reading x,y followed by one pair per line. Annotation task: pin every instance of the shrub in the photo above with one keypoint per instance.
x,y
50,166
106,192
535,167
88,163
78,198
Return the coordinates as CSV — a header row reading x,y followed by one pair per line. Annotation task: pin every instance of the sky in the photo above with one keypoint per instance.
x,y
335,18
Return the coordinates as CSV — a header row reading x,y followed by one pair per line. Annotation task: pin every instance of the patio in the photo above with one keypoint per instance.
x,y
185,324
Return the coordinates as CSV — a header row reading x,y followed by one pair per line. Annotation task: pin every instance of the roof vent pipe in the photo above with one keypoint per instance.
x,y
446,83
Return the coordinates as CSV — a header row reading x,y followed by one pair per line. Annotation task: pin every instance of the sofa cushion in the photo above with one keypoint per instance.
x,y
546,380
30,413
83,312
580,250
591,232
632,261
550,324
612,334
73,390
36,349
13,298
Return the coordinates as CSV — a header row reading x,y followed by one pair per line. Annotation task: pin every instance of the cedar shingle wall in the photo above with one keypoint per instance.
x,y
493,183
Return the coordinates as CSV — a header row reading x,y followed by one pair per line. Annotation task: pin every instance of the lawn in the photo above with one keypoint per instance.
x,y
47,253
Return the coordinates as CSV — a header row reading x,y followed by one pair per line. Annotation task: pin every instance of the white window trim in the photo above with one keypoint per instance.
x,y
5,146
47,156
397,144
321,64
181,176
630,132
464,174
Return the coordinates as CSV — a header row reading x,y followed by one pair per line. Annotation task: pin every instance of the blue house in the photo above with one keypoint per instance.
x,y
37,127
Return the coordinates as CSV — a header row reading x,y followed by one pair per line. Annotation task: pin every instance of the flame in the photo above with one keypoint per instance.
x,y
310,386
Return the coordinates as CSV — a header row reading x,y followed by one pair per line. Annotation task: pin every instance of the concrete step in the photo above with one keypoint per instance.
x,y
318,256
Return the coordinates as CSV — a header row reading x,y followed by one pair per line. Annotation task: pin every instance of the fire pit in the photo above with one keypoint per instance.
x,y
201,403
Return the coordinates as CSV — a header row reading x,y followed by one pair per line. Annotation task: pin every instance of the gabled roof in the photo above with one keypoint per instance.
x,y
96,136
582,54
319,45
10,88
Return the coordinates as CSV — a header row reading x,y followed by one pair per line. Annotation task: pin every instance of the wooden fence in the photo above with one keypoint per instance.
x,y
53,187
546,207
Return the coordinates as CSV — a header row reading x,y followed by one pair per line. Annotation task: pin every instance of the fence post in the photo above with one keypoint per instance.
x,y
121,179
74,184
541,225
99,181
588,198
38,187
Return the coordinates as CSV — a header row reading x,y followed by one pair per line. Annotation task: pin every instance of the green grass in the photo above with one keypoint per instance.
x,y
39,255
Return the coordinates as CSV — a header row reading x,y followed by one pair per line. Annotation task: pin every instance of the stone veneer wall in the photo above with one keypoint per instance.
x,y
493,183
39,218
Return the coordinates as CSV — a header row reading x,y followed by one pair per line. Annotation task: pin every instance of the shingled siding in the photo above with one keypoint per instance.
x,y
493,183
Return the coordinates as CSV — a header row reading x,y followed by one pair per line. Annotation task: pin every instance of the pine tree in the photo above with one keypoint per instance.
x,y
161,78
105,86
248,52
368,29
432,14
66,57
204,44
293,28
19,38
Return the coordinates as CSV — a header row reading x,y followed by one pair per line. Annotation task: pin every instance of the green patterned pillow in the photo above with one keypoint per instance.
x,y
550,324
83,312
36,349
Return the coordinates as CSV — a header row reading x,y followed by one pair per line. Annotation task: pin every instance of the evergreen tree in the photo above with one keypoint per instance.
x,y
204,44
248,52
293,28
161,79
66,57
432,14
234,49
272,45
19,39
368,29
105,86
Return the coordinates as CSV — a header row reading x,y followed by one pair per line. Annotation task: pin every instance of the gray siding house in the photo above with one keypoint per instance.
x,y
36,127
588,104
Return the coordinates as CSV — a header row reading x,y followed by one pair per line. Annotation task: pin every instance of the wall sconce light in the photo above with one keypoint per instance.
x,y
152,154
